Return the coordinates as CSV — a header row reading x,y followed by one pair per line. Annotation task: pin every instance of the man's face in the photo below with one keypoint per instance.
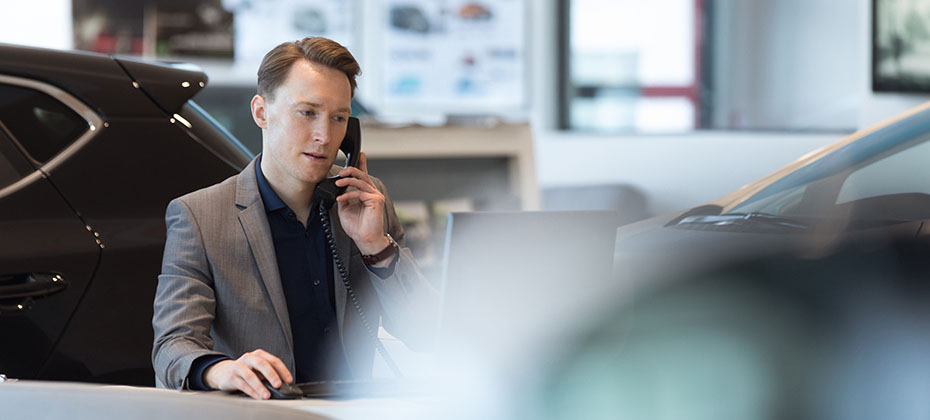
x,y
303,126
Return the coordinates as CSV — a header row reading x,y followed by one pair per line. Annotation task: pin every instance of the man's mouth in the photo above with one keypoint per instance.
x,y
315,156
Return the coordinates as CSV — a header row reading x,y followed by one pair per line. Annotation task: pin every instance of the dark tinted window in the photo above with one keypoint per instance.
x,y
8,174
39,122
12,163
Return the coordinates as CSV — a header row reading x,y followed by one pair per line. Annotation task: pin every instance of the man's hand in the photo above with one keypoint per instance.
x,y
361,208
240,374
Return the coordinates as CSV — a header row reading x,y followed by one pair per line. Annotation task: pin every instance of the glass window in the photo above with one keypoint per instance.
x,y
880,178
906,172
40,123
13,165
632,65
671,66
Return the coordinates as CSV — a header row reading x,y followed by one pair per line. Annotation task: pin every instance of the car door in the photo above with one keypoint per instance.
x,y
47,254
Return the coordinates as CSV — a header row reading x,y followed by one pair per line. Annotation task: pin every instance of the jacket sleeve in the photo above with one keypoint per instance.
x,y
409,301
184,306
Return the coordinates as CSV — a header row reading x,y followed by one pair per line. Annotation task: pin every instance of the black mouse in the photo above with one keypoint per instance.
x,y
286,392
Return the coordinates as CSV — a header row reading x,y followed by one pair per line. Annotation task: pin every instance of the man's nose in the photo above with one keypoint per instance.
x,y
322,130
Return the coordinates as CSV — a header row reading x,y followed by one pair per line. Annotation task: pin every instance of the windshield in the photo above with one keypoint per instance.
x,y
884,176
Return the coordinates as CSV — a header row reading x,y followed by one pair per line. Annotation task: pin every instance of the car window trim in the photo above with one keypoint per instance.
x,y
95,124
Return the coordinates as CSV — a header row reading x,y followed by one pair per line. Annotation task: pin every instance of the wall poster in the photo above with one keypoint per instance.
x,y
455,56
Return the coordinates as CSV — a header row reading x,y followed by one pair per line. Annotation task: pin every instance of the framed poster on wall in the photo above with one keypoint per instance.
x,y
901,46
453,56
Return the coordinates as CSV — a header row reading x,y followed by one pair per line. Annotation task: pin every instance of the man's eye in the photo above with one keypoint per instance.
x,y
339,118
307,113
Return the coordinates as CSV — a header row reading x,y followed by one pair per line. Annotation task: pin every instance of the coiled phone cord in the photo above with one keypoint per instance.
x,y
344,274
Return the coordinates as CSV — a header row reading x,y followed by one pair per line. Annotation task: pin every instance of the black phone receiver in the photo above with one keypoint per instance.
x,y
352,147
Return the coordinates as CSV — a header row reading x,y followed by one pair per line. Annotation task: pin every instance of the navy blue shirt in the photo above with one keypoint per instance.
x,y
305,265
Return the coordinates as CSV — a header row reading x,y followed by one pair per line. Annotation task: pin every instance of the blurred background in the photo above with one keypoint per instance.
x,y
624,99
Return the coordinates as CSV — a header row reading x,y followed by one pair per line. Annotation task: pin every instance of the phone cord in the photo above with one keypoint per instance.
x,y
344,274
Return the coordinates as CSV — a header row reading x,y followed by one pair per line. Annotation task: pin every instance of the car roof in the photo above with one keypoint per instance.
x,y
113,86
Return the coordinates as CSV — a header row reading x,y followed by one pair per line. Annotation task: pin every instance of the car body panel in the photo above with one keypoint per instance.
x,y
31,240
95,79
169,86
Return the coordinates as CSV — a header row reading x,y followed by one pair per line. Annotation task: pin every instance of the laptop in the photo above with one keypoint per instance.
x,y
513,278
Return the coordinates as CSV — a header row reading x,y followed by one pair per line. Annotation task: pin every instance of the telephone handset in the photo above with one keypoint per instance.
x,y
328,191
352,147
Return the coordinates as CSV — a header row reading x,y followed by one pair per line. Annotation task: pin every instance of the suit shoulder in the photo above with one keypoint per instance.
x,y
217,194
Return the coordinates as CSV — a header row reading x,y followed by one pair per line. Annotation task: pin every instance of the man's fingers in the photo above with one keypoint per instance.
x,y
249,382
363,163
236,383
358,173
364,197
276,365
264,367
357,183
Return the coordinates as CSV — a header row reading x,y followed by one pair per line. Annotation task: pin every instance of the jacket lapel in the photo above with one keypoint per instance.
x,y
254,222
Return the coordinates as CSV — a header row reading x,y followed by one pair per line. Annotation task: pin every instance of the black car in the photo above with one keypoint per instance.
x,y
92,148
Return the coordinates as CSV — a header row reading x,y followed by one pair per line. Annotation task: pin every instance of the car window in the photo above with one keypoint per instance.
x,y
893,185
41,124
8,174
13,165
781,203
907,171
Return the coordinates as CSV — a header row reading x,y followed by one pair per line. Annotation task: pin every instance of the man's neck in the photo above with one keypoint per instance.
x,y
296,195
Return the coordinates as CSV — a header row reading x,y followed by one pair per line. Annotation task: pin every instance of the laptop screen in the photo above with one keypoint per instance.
x,y
512,277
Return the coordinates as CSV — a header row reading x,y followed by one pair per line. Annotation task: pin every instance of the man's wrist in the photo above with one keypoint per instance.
x,y
198,372
375,246
383,254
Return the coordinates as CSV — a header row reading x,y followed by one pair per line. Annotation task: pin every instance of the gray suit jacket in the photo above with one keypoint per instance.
x,y
219,291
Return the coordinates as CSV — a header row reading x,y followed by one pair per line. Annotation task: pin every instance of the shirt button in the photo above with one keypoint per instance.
x,y
316,282
308,233
325,329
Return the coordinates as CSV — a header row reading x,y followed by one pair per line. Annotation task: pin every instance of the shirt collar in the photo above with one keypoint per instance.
x,y
270,198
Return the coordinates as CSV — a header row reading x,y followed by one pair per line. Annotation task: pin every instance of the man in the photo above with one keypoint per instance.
x,y
249,289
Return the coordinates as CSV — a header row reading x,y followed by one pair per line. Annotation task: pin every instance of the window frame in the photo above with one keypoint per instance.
x,y
695,92
42,170
94,121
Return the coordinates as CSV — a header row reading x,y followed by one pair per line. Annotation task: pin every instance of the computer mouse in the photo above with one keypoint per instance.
x,y
285,392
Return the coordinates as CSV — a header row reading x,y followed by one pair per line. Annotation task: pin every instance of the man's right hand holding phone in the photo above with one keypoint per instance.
x,y
243,373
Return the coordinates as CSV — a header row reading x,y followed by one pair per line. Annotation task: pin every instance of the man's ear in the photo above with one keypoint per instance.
x,y
258,111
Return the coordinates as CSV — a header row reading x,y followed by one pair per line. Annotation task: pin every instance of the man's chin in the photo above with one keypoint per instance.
x,y
314,178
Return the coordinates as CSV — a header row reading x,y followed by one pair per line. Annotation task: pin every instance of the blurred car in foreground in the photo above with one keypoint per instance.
x,y
92,148
840,336
805,294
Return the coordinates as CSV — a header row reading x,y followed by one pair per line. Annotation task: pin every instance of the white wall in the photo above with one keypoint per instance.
x,y
786,64
821,50
37,23
675,172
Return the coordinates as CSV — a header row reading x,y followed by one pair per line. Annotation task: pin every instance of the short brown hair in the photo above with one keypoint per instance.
x,y
278,61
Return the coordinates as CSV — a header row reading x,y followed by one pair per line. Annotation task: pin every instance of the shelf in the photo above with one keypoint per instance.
x,y
514,143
